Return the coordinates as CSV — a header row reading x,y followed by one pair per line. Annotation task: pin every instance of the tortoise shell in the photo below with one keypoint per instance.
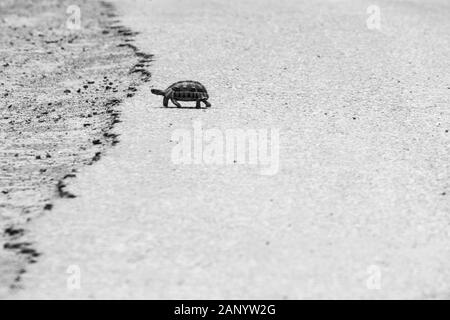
x,y
188,90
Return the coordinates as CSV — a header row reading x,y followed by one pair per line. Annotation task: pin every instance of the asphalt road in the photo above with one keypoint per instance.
x,y
359,206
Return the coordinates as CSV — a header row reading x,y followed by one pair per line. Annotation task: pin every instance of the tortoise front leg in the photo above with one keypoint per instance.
x,y
175,102
197,105
207,104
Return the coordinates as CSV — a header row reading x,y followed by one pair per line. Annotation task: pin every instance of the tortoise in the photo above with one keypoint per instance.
x,y
187,90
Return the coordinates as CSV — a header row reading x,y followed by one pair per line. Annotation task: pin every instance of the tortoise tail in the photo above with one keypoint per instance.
x,y
157,92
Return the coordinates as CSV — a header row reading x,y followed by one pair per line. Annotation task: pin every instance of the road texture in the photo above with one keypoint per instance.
x,y
360,205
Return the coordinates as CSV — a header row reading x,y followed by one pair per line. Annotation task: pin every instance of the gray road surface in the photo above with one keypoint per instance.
x,y
360,205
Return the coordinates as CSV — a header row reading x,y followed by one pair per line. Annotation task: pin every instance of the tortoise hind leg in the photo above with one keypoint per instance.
x,y
175,102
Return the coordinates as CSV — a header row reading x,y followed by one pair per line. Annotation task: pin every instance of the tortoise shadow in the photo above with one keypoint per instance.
x,y
183,107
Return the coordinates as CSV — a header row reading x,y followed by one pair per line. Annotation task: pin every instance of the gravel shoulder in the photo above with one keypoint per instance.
x,y
363,184
59,88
